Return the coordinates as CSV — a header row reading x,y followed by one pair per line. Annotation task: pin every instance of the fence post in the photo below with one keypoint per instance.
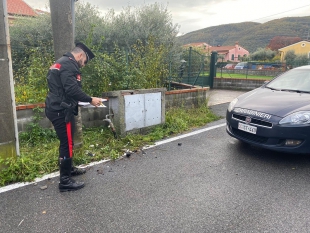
x,y
189,71
213,67
203,69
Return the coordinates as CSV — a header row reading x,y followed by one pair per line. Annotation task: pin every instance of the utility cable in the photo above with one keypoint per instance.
x,y
280,13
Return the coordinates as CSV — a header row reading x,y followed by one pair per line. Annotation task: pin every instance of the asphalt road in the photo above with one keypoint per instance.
x,y
206,182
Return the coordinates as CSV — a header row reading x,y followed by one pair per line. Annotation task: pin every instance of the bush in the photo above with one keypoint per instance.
x,y
131,50
30,79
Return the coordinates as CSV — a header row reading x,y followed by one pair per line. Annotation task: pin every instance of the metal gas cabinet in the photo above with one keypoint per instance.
x,y
136,110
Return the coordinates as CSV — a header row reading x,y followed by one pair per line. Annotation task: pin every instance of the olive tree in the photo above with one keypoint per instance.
x,y
301,60
123,29
144,35
88,22
263,54
36,31
140,23
290,57
30,32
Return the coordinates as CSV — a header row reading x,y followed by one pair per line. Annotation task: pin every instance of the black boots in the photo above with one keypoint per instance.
x,y
66,183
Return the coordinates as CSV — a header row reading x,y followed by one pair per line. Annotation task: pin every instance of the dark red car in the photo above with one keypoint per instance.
x,y
229,66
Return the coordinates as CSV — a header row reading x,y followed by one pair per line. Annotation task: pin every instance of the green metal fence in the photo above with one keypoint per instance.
x,y
193,69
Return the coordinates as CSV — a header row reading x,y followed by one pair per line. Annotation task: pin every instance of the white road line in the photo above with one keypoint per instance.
x,y
52,175
48,176
185,135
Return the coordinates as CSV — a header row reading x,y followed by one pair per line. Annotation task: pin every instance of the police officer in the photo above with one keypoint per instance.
x,y
61,104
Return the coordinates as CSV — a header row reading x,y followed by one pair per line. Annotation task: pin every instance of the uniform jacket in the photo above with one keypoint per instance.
x,y
64,84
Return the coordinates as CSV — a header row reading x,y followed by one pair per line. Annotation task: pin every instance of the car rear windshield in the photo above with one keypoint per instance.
x,y
294,80
241,64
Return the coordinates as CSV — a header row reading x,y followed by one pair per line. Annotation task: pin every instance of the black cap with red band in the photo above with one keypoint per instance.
x,y
87,51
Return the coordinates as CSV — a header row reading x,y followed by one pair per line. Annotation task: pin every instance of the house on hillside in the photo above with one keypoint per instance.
x,y
204,47
231,53
18,8
41,12
300,48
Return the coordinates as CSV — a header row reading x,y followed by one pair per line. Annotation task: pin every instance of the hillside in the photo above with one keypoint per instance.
x,y
250,35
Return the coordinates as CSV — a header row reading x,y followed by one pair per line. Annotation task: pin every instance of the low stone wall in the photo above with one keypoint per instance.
x,y
186,97
237,84
25,114
92,117
264,72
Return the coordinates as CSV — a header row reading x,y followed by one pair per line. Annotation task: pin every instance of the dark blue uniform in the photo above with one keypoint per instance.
x,y
61,104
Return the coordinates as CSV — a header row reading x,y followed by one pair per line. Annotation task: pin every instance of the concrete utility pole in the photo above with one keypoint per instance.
x,y
9,144
63,25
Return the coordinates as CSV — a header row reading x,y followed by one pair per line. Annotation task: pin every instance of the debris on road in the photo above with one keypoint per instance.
x,y
43,187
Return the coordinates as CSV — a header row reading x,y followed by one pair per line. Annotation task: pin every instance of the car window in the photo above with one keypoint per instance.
x,y
241,64
292,80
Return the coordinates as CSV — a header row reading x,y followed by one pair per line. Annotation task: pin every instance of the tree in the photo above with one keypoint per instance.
x,y
301,60
290,57
31,32
88,22
278,42
123,30
149,59
139,23
138,43
262,54
36,31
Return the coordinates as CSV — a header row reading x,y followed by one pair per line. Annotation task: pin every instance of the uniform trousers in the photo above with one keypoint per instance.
x,y
65,132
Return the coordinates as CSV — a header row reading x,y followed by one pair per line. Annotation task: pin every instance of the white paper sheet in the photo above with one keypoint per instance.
x,y
88,105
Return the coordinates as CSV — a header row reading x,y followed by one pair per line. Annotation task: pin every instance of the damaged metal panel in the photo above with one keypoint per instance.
x,y
134,111
153,109
142,110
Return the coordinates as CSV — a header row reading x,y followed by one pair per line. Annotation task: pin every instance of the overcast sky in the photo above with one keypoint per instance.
x,y
193,15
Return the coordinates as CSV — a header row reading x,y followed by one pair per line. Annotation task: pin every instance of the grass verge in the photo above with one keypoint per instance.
x,y
243,76
39,147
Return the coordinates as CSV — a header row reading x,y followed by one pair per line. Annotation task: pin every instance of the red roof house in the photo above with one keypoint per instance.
x,y
231,53
19,8
41,12
201,45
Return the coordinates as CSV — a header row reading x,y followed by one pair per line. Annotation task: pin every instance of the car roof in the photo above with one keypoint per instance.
x,y
302,67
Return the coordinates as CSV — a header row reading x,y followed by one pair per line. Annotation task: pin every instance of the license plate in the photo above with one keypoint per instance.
x,y
247,128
